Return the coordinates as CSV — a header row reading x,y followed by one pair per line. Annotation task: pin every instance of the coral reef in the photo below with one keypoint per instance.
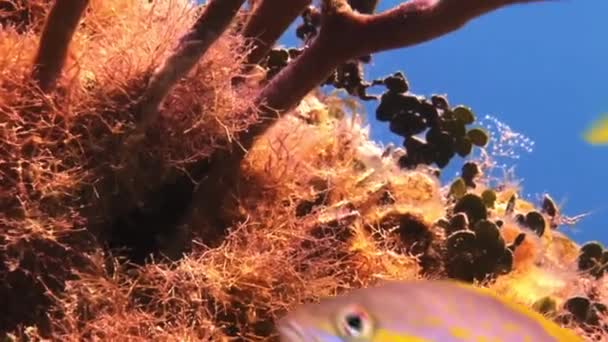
x,y
319,207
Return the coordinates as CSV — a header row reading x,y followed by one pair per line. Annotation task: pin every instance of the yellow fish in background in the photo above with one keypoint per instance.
x,y
419,311
598,133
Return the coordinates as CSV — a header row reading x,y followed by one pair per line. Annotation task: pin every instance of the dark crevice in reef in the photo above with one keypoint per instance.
x,y
153,228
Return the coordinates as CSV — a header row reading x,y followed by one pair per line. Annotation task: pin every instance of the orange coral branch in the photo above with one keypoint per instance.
x,y
270,18
419,21
60,26
346,34
214,20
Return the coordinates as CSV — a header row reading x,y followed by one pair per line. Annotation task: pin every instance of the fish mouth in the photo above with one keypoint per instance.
x,y
289,331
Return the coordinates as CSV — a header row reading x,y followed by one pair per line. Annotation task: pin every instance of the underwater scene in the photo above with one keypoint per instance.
x,y
303,170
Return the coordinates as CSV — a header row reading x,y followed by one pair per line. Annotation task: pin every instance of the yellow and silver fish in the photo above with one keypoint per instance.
x,y
597,134
419,311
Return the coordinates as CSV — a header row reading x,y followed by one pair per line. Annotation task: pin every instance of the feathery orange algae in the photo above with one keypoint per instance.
x,y
320,208
64,172
285,252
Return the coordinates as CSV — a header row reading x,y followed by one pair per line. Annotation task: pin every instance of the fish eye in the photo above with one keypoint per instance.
x,y
355,322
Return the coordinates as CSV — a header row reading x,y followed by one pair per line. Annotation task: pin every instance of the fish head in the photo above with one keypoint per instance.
x,y
332,320
368,314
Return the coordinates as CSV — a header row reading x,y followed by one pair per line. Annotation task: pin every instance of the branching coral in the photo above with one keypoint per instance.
x,y
286,211
340,37
269,19
211,24
61,23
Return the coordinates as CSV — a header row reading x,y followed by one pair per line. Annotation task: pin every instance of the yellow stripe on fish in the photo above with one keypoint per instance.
x,y
557,332
419,311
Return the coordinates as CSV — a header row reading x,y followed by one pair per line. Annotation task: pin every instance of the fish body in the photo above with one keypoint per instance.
x,y
598,133
419,311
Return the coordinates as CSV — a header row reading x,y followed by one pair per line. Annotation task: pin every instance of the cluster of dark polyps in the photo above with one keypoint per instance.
x,y
533,220
311,20
586,310
470,171
445,126
415,238
581,309
550,208
475,249
347,76
593,259
408,114
279,58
